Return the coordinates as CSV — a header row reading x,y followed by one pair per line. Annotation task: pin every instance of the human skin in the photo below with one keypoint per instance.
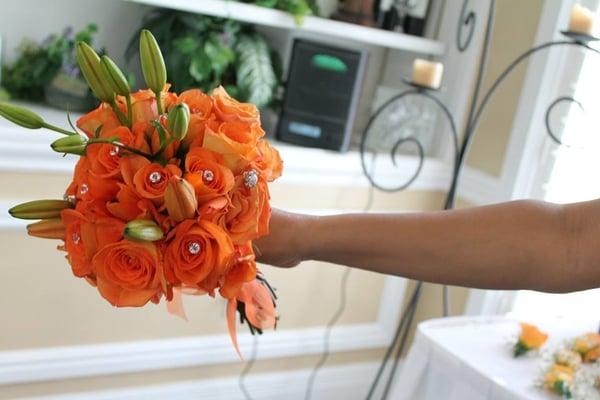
x,y
515,245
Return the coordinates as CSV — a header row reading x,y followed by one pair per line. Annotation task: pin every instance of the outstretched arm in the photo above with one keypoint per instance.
x,y
515,245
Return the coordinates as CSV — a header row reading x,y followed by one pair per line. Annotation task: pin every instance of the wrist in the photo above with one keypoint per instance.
x,y
306,235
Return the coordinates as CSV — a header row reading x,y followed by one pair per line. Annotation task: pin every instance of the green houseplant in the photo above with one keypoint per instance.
x,y
205,52
48,71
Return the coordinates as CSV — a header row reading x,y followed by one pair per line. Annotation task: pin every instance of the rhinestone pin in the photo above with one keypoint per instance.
x,y
155,177
76,238
250,178
194,248
83,189
208,175
114,151
70,198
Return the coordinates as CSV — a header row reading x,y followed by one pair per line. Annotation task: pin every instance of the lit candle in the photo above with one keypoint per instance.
x,y
582,20
427,73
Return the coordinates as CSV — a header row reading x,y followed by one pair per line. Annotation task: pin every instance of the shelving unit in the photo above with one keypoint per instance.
x,y
274,18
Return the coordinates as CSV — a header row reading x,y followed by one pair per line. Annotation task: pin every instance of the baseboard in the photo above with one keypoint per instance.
x,y
346,382
58,363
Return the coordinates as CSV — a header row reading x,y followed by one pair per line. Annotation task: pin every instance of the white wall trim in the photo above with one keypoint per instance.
x,y
334,382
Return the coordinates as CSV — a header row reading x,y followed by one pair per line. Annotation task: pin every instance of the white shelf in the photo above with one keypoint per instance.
x,y
265,16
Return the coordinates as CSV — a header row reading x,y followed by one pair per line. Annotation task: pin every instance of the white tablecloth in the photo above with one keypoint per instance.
x,y
468,358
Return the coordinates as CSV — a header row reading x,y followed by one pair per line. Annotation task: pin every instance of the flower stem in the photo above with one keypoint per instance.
x,y
120,115
57,129
121,145
129,111
158,103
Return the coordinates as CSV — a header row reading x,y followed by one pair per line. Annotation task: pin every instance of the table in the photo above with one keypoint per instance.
x,y
464,358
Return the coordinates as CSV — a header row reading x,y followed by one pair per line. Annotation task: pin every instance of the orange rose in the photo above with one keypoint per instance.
x,y
229,109
102,117
195,250
88,187
129,205
148,179
249,212
104,158
128,274
207,174
83,237
143,104
201,106
270,162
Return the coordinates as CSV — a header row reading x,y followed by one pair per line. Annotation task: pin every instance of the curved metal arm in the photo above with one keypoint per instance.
x,y
409,139
467,20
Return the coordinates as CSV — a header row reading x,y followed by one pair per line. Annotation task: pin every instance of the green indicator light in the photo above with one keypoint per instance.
x,y
329,63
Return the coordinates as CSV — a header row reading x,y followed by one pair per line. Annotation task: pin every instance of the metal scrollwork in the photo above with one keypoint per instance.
x,y
550,109
468,21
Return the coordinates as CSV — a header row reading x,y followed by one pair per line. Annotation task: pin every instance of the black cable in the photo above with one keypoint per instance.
x,y
403,340
413,302
336,316
247,368
340,310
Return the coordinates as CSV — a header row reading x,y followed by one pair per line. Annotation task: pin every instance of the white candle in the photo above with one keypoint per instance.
x,y
582,20
427,73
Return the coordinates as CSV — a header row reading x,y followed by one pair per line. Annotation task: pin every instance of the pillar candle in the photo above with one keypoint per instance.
x,y
427,73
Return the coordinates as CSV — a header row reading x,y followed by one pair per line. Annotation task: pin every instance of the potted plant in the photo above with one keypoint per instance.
x,y
205,52
48,71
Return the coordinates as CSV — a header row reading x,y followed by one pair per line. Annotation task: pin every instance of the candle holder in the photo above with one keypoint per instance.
x,y
418,86
583,38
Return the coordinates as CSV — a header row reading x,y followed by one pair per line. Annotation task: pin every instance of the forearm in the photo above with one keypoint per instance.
x,y
517,245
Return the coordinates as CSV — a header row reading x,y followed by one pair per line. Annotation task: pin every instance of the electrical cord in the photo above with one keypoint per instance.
x,y
247,368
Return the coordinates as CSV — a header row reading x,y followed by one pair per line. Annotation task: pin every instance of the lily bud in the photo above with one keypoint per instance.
x,y
40,209
94,73
143,229
21,116
74,144
117,80
153,64
180,199
47,228
178,121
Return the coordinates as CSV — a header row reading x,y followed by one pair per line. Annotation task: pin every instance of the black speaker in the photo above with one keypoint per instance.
x,y
321,96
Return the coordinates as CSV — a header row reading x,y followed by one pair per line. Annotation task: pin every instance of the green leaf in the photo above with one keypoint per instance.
x,y
186,45
255,75
219,55
200,67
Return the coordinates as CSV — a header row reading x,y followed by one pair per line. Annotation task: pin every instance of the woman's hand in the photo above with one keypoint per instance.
x,y
285,246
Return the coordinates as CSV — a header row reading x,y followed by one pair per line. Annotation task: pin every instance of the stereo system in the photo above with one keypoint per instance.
x,y
321,96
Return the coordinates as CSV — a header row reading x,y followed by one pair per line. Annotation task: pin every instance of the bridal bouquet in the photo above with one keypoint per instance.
x,y
167,196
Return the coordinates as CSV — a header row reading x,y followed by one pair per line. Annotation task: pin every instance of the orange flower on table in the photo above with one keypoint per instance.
x,y
195,250
148,179
249,213
531,338
587,342
229,109
206,172
559,379
128,274
102,118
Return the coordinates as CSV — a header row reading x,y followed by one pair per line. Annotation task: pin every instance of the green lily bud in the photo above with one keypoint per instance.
x,y
21,116
40,209
153,64
143,229
94,74
117,80
74,144
178,121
